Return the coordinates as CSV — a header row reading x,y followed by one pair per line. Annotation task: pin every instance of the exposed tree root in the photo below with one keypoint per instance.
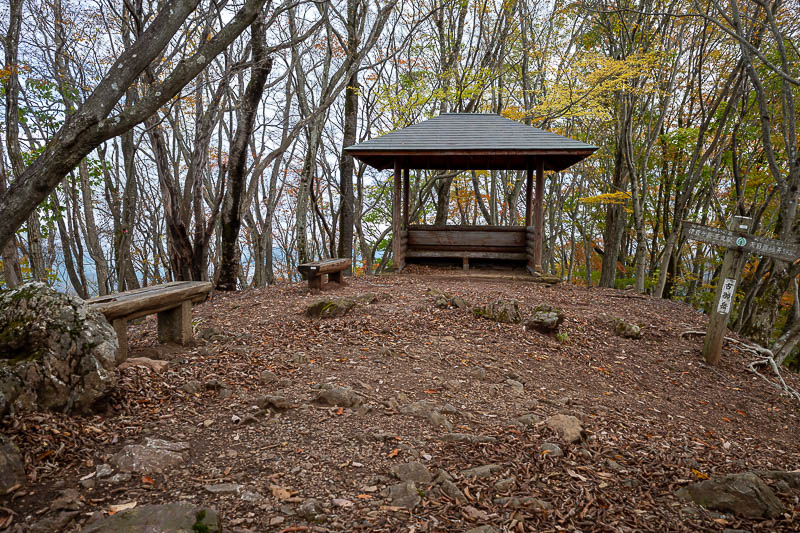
x,y
767,358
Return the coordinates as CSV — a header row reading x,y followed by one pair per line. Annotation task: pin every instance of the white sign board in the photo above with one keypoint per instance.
x,y
726,297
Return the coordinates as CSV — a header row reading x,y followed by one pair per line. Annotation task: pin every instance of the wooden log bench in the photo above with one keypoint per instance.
x,y
172,302
334,268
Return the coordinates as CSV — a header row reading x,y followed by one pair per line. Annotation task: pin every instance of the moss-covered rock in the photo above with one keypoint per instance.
x,y
545,319
503,311
172,517
55,352
330,307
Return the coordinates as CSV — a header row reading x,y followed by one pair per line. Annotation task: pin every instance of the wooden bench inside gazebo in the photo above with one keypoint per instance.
x,y
470,141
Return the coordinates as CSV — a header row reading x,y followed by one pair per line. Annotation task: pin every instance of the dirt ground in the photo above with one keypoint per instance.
x,y
656,417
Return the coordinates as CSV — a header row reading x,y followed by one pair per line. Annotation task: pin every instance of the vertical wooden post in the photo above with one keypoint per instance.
x,y
175,325
529,198
406,194
538,216
397,249
121,328
731,271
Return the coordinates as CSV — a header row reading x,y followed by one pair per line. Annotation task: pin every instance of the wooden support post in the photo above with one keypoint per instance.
x,y
406,194
465,266
397,248
336,277
121,328
314,281
731,271
538,216
175,325
529,198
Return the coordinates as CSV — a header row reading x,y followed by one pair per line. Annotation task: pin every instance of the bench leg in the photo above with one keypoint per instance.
x,y
175,325
121,328
315,282
337,277
466,263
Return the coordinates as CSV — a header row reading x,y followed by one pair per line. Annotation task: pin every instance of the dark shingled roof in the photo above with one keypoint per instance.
x,y
471,141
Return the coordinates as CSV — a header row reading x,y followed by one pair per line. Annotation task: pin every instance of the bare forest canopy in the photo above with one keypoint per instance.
x,y
145,142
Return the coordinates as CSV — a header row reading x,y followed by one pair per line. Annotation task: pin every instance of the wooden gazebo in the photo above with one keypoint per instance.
x,y
470,141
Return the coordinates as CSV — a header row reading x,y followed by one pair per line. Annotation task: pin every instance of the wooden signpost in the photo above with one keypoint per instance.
x,y
737,240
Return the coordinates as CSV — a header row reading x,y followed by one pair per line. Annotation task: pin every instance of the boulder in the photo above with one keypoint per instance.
x,y
336,395
503,311
445,300
744,495
545,319
154,456
413,471
482,471
627,330
55,352
171,517
428,411
568,428
403,494
330,307
12,469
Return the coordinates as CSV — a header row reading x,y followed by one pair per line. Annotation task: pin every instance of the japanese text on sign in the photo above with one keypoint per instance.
x,y
726,296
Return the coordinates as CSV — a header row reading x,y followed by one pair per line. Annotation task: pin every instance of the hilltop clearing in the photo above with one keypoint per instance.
x,y
281,422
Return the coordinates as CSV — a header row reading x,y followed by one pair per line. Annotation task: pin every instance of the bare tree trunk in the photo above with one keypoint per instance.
x,y
231,209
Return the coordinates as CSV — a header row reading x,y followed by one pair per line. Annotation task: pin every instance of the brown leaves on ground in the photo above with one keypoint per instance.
x,y
655,415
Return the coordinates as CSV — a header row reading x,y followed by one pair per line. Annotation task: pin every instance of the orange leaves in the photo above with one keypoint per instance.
x,y
393,453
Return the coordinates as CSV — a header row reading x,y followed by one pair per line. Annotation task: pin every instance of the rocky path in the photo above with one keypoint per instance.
x,y
408,412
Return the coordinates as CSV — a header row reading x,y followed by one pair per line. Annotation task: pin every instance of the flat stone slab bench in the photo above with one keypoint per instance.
x,y
172,302
314,271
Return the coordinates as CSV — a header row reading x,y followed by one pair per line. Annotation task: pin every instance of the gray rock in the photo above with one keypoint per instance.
x,y
122,477
524,502
627,330
274,401
790,478
428,411
156,365
12,469
413,471
568,427
505,484
330,307
503,311
251,496
367,298
49,524
331,394
466,437
311,510
192,387
57,353
172,518
482,529
452,491
545,319
209,333
478,373
481,471
551,450
154,456
224,488
515,386
741,494
103,470
526,420
268,377
403,494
